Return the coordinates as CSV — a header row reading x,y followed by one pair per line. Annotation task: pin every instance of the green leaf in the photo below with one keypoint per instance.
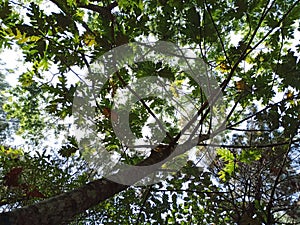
x,y
225,154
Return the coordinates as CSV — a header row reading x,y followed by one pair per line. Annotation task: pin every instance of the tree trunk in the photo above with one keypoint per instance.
x,y
62,208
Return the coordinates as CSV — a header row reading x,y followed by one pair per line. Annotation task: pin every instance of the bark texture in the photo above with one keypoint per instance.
x,y
61,209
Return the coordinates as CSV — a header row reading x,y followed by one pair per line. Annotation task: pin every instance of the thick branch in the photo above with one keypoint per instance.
x,y
102,11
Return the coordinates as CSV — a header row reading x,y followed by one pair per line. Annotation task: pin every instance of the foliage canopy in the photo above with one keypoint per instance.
x,y
251,48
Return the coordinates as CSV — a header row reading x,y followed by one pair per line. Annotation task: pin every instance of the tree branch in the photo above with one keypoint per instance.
x,y
102,11
250,146
63,208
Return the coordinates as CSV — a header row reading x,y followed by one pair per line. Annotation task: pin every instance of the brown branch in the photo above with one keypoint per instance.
x,y
110,6
278,24
258,112
144,200
250,130
145,105
246,51
102,11
192,191
218,33
250,146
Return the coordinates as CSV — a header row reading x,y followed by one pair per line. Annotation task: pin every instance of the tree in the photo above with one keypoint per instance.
x,y
257,75
260,178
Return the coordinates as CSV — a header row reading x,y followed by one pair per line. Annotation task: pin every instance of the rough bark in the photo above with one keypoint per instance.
x,y
61,209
